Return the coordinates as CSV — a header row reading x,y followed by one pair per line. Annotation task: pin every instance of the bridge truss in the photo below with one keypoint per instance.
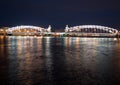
x,y
27,29
91,30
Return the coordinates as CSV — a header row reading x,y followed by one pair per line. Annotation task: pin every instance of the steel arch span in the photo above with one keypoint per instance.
x,y
90,29
28,27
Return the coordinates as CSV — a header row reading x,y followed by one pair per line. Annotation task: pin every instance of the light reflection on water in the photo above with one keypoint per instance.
x,y
29,60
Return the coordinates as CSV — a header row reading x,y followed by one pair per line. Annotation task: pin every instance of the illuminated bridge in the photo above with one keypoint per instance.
x,y
27,30
80,31
91,30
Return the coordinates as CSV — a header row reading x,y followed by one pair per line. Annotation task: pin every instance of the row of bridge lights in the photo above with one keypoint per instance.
x,y
30,27
86,29
76,28
89,30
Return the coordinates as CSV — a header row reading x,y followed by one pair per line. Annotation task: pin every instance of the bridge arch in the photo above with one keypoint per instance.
x,y
28,27
90,29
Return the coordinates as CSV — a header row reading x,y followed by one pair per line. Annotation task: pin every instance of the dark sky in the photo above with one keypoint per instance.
x,y
58,13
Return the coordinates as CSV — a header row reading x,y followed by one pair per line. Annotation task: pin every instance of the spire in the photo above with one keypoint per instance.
x,y
66,28
49,28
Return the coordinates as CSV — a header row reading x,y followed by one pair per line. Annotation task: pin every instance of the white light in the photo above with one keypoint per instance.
x,y
92,27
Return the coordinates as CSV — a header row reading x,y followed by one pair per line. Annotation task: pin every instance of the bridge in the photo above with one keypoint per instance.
x,y
27,30
79,31
91,31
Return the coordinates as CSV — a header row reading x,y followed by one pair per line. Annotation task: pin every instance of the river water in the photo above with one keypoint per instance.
x,y
59,61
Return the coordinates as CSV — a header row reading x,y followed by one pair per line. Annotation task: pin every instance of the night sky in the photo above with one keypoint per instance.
x,y
58,13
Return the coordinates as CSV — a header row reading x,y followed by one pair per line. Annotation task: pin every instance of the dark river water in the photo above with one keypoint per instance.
x,y
59,61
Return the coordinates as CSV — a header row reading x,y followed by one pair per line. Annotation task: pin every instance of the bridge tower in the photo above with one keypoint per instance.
x,y
49,28
66,28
